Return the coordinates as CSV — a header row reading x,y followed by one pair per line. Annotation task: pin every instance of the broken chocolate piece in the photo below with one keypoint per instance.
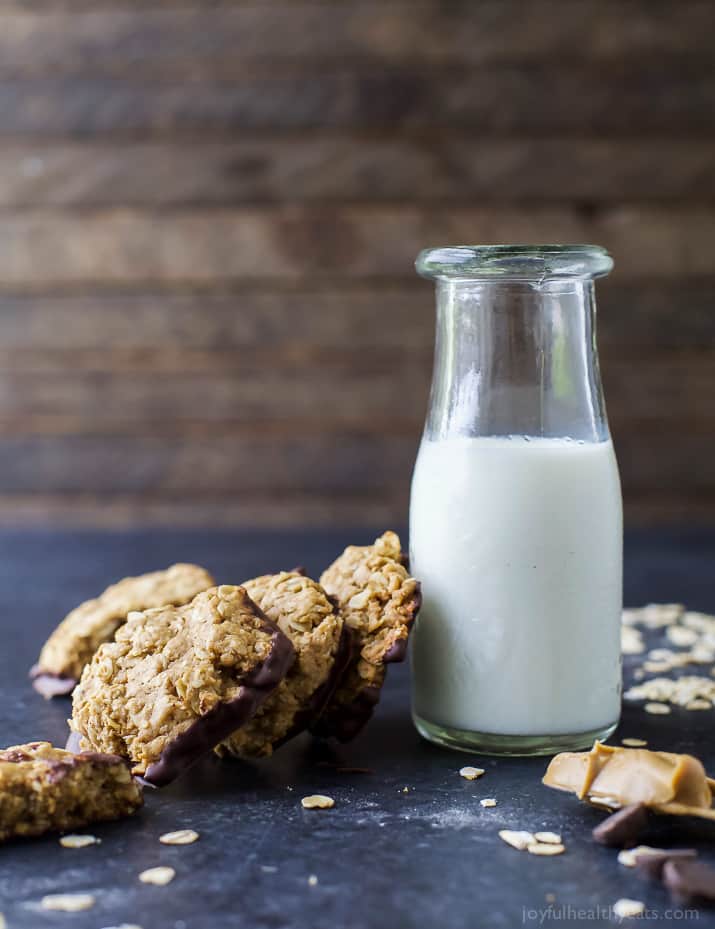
x,y
689,881
652,864
623,828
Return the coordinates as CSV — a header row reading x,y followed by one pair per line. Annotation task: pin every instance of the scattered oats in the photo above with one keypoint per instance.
x,y
634,743
471,774
631,641
269,868
656,667
158,876
701,654
67,903
701,622
654,615
317,802
661,654
679,691
627,856
624,908
312,880
516,838
488,801
180,837
124,926
657,709
699,704
681,636
79,841
544,848
549,838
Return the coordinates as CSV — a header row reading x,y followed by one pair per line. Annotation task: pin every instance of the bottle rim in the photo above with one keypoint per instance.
x,y
514,262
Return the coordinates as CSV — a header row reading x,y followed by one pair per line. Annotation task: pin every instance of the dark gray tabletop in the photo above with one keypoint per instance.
x,y
384,858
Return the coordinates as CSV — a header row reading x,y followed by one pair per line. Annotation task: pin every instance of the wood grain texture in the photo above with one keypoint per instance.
x,y
173,40
45,249
355,167
209,213
542,99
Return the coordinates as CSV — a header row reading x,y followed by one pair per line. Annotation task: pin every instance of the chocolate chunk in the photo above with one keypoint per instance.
x,y
653,863
622,829
689,881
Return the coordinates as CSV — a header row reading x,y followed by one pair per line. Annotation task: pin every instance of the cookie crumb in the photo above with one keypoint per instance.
x,y
78,841
516,838
624,908
158,876
471,774
545,848
67,903
180,837
550,898
548,838
488,802
634,743
317,802
657,709
405,790
312,880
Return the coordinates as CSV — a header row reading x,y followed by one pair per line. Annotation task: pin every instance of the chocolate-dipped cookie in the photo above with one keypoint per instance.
x,y
178,680
379,601
45,789
94,622
305,613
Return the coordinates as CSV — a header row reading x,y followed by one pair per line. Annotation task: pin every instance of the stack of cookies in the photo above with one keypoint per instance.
x,y
167,666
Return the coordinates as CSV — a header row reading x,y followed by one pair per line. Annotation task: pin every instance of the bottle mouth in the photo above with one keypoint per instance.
x,y
536,263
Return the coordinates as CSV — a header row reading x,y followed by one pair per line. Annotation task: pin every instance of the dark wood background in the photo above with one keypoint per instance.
x,y
208,218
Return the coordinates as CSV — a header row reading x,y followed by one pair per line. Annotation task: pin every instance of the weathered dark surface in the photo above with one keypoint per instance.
x,y
210,210
428,857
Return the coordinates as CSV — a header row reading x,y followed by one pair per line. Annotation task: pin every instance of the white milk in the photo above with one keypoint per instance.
x,y
518,544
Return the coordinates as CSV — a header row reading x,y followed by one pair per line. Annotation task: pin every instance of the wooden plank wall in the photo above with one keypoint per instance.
x,y
209,213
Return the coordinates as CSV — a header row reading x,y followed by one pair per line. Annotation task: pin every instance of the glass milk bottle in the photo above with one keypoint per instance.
x,y
515,514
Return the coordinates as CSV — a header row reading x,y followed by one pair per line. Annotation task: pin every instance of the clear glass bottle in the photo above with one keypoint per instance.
x,y
515,513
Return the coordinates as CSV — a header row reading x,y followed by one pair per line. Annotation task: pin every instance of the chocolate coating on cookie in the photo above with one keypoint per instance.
x,y
379,601
177,680
50,685
308,617
219,723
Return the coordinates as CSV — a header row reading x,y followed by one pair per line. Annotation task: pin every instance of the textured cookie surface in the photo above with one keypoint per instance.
x,y
178,680
379,601
45,789
303,611
79,635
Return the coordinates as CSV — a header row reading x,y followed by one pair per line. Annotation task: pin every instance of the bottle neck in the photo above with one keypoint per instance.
x,y
516,358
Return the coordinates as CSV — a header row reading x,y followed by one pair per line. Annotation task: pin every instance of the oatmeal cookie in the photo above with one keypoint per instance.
x,y
79,635
45,789
178,680
379,601
305,613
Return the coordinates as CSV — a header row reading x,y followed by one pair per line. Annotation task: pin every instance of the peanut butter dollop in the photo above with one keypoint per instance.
x,y
614,777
